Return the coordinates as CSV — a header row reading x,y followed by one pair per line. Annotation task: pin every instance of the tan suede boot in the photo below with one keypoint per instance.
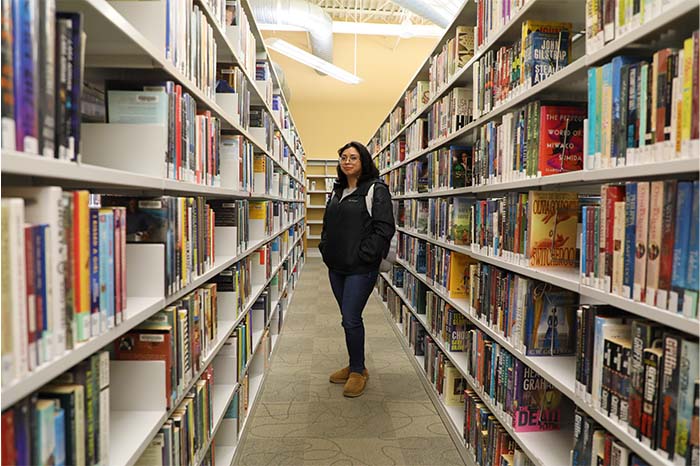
x,y
341,376
355,386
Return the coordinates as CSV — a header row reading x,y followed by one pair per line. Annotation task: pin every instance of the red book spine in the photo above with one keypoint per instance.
x,y
616,193
8,438
31,302
667,240
662,76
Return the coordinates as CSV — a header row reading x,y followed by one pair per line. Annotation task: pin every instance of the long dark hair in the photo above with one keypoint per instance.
x,y
369,170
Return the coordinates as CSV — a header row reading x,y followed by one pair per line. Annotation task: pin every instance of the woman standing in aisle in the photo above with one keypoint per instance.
x,y
358,225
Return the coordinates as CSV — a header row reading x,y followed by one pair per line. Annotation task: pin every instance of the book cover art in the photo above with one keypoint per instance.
x,y
545,54
460,157
550,322
561,139
536,404
148,220
459,275
552,228
461,220
551,27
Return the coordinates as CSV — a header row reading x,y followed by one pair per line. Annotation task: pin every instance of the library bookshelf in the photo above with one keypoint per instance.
x,y
321,174
126,42
410,144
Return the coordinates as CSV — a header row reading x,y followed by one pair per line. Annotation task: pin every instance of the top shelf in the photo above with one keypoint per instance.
x,y
113,42
677,17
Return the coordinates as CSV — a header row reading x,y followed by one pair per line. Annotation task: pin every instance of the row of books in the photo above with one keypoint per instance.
x,y
449,114
594,445
232,93
642,375
263,79
491,17
192,136
543,49
42,72
185,225
640,242
66,422
610,20
64,263
485,438
181,335
238,32
182,439
452,57
644,109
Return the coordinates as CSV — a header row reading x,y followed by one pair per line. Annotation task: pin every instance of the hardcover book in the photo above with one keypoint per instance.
x,y
536,403
550,322
552,228
561,139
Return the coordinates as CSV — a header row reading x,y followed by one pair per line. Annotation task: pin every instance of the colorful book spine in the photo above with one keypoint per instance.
x,y
630,239
106,274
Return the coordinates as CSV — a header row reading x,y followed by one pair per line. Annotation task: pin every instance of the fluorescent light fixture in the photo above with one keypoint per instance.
x,y
305,58
369,29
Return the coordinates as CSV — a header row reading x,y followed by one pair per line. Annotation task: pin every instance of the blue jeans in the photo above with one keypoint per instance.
x,y
352,292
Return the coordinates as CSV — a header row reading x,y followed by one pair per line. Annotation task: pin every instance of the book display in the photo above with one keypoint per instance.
x,y
547,236
153,216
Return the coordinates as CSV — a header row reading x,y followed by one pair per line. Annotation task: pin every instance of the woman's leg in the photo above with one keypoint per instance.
x,y
356,291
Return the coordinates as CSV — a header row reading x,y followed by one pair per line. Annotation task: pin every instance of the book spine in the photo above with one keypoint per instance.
x,y
630,240
648,422
618,248
43,328
688,374
667,240
668,394
684,202
7,128
26,75
46,91
641,237
690,294
656,205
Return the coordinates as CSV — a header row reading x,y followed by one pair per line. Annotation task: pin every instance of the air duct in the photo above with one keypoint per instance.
x,y
302,14
427,11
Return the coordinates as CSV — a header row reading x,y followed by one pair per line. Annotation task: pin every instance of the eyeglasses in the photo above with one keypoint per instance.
x,y
351,159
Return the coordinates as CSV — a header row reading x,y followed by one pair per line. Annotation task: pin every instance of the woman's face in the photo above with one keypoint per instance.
x,y
350,162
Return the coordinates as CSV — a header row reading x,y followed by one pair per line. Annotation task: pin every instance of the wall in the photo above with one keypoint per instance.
x,y
329,112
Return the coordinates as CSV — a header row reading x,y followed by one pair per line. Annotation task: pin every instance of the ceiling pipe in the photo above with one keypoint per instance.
x,y
427,11
302,14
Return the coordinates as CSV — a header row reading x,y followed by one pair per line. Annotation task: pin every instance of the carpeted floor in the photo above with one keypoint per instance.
x,y
301,418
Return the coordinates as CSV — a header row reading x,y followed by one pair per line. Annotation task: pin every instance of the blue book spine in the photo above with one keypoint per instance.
x,y
106,270
23,443
593,124
690,296
684,212
630,239
60,437
617,106
40,255
94,271
25,76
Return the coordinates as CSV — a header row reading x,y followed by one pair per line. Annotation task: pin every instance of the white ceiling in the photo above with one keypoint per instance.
x,y
380,11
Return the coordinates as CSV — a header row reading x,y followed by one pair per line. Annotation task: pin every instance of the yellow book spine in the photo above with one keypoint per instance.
x,y
82,264
687,102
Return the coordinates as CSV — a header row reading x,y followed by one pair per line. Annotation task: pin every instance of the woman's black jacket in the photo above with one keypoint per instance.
x,y
352,241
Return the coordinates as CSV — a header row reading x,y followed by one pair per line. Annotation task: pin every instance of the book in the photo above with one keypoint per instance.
x,y
552,224
26,76
561,139
7,122
550,322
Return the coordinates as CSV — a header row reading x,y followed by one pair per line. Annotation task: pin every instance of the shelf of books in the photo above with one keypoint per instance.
x,y
544,167
321,174
153,212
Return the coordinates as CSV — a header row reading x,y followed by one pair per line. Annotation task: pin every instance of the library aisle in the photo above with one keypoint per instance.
x,y
301,418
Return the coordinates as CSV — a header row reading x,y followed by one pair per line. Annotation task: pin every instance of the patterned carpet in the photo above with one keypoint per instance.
x,y
302,419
